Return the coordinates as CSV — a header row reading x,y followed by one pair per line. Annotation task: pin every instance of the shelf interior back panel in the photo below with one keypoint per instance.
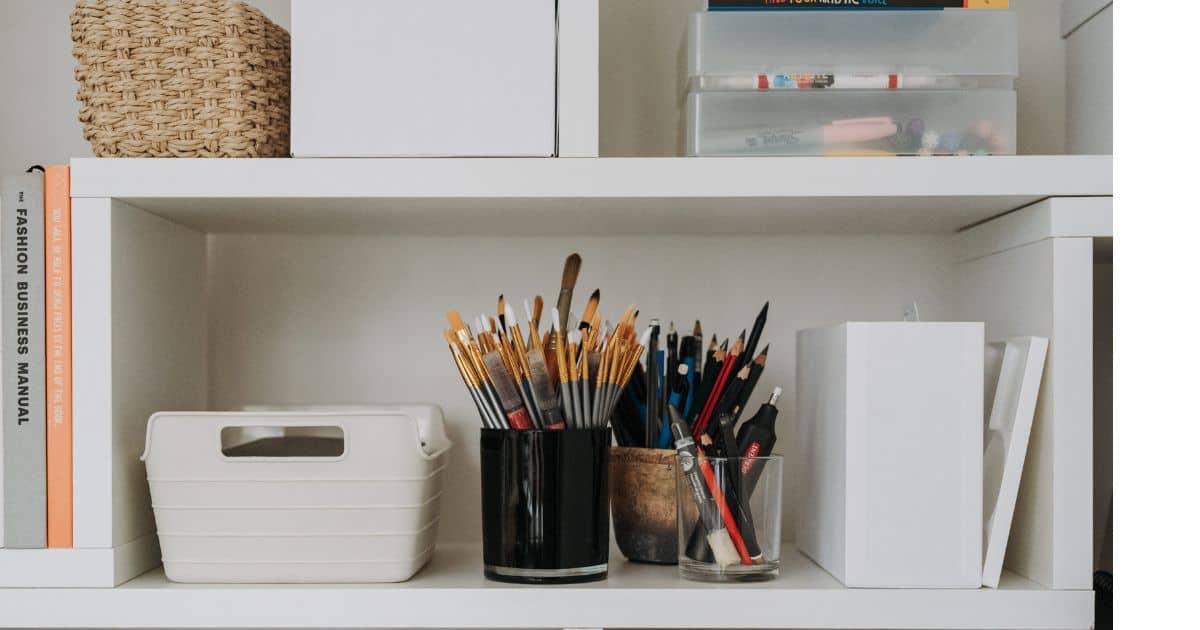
x,y
296,319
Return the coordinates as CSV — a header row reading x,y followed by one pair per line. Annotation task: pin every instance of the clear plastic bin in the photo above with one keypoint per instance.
x,y
952,42
835,123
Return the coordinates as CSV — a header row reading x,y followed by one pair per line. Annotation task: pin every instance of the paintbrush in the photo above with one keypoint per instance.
x,y
471,347
589,311
562,369
508,391
540,381
522,358
574,339
569,275
472,383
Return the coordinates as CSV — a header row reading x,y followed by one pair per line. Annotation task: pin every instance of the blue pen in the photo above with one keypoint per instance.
x,y
690,362
677,396
663,387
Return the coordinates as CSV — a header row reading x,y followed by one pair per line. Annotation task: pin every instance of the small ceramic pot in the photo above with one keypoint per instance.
x,y
643,505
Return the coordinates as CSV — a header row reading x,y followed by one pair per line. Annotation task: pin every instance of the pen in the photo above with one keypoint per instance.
x,y
652,414
676,401
670,369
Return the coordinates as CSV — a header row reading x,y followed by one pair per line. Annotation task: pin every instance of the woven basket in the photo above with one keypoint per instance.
x,y
181,78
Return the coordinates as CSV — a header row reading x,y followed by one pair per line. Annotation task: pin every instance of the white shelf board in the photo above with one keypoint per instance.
x,y
590,195
452,593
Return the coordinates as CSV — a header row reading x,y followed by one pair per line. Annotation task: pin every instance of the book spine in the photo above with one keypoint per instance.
x,y
24,344
59,491
852,5
3,355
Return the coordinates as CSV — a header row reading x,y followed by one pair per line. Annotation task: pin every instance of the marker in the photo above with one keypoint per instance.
x,y
746,82
783,139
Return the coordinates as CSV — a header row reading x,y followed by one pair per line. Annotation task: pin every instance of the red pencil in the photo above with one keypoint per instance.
x,y
715,394
714,488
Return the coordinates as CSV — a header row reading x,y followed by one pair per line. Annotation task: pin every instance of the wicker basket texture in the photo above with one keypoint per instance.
x,y
181,78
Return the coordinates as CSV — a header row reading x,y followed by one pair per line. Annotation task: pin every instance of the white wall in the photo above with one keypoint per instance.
x,y
256,356
1089,76
639,82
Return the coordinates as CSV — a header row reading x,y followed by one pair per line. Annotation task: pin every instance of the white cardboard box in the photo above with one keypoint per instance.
x,y
890,453
388,78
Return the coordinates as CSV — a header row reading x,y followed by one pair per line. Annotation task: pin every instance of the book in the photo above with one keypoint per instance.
x,y
59,499
2,250
852,5
23,297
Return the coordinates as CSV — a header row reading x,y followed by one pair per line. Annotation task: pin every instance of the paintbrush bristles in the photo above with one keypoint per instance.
x,y
569,276
590,309
538,303
506,378
456,321
571,272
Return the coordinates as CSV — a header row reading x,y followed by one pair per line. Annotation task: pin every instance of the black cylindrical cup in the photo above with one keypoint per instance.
x,y
545,505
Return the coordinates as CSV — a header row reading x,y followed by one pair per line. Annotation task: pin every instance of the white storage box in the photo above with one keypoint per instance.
x,y
869,122
296,496
379,78
890,453
965,43
778,83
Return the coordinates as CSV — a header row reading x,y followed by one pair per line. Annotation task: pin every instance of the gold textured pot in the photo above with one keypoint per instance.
x,y
642,497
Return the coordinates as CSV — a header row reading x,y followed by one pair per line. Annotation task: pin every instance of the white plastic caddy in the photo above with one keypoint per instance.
x,y
340,495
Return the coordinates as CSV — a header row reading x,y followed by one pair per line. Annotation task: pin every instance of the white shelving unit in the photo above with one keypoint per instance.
x,y
211,284
452,592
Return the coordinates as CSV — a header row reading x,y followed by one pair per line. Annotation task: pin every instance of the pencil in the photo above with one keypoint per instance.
x,y
755,333
712,367
756,369
714,395
729,396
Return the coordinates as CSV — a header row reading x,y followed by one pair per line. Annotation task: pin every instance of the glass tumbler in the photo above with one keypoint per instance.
x,y
730,513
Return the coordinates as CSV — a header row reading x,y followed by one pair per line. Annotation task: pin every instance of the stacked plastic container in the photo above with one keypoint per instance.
x,y
302,495
852,83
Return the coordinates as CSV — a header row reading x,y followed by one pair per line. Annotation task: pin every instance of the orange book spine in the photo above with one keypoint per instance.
x,y
59,491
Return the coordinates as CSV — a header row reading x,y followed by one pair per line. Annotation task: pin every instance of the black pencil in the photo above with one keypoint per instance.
x,y
712,367
755,333
672,365
729,398
756,369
